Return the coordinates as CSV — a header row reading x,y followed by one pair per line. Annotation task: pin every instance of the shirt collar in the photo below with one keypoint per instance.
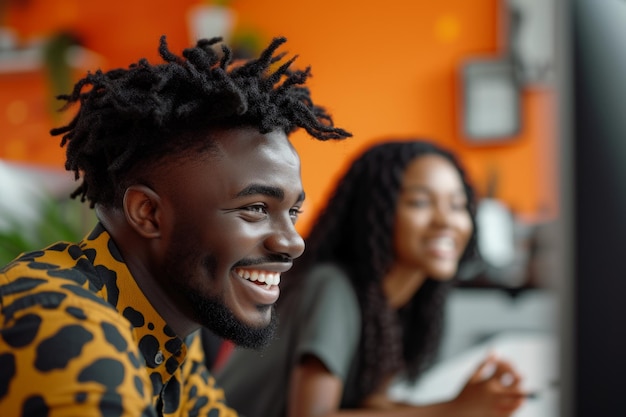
x,y
163,351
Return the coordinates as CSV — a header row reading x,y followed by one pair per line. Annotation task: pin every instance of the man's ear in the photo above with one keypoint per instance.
x,y
142,208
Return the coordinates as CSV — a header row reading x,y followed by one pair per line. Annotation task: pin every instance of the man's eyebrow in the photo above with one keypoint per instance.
x,y
274,192
267,190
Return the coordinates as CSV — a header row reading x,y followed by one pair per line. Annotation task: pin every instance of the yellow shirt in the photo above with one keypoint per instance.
x,y
79,338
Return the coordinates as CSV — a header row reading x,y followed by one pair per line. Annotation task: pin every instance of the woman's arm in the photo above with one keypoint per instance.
x,y
313,390
316,392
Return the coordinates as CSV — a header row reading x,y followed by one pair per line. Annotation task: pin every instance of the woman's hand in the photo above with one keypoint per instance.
x,y
493,390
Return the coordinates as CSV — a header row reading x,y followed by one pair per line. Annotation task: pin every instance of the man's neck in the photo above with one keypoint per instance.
x,y
139,260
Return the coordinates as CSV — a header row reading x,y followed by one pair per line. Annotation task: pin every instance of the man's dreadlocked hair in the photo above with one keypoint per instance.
x,y
356,232
135,116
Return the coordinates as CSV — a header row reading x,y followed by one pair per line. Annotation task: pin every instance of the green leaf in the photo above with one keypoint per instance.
x,y
58,220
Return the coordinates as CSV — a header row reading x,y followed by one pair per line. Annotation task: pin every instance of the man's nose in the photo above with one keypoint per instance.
x,y
285,239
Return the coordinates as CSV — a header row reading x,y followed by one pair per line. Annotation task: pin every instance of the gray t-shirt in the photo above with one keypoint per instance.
x,y
321,317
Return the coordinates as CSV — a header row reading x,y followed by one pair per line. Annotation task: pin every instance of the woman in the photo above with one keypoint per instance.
x,y
366,300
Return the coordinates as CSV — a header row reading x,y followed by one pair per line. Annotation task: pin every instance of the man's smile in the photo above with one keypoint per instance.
x,y
260,277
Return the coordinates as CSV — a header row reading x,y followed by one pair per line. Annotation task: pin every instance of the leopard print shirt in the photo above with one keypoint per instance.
x,y
79,338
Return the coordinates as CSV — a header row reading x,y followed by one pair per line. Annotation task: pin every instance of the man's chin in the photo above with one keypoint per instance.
x,y
224,323
244,335
217,317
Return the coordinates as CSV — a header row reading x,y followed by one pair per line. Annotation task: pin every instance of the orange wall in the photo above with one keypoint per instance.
x,y
382,69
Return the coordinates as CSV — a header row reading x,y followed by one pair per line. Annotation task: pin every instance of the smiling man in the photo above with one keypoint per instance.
x,y
197,189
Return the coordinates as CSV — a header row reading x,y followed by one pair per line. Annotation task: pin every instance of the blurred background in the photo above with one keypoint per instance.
x,y
489,79
477,77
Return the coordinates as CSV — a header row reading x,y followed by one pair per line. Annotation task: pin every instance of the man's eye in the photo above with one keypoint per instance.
x,y
257,208
294,213
254,212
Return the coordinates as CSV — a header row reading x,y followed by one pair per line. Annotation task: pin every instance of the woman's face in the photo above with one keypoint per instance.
x,y
433,224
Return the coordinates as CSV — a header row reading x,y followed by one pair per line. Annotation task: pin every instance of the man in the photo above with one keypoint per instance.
x,y
197,188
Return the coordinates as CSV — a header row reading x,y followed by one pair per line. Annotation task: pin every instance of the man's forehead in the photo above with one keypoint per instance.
x,y
244,135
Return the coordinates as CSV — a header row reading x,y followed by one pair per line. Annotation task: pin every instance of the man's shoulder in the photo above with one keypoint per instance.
x,y
59,335
48,277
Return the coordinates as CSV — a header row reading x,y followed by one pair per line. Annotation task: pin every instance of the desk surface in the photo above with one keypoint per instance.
x,y
534,354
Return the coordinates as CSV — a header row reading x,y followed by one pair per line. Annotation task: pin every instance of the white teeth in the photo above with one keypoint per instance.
x,y
266,277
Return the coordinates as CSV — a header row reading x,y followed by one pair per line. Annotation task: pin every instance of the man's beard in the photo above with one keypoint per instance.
x,y
213,314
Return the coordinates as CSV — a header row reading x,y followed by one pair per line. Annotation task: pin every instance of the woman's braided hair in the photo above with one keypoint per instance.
x,y
132,117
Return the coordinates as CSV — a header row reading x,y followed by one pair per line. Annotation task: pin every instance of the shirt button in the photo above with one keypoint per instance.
x,y
158,358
